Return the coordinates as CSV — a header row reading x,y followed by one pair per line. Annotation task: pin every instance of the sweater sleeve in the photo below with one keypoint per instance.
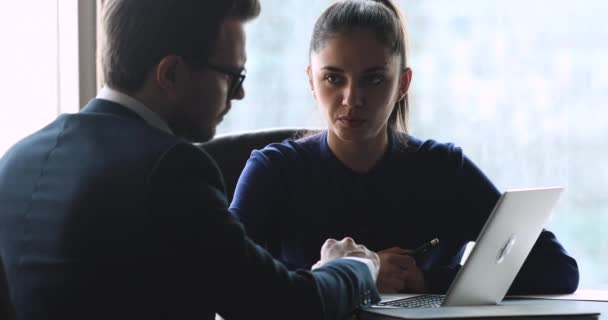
x,y
548,268
470,197
257,194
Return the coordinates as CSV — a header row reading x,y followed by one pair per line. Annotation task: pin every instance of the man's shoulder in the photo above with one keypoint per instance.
x,y
189,166
183,154
91,145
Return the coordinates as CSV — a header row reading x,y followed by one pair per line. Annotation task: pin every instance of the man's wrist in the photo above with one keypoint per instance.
x,y
373,269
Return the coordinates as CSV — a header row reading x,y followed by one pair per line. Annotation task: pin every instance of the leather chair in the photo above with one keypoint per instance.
x,y
7,310
231,151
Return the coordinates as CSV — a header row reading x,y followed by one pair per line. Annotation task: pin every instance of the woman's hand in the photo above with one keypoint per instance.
x,y
399,273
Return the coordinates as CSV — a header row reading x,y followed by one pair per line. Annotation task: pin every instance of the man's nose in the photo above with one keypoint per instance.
x,y
239,94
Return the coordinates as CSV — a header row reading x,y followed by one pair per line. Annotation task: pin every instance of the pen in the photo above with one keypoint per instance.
x,y
420,251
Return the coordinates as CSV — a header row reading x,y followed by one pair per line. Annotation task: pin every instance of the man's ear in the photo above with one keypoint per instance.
x,y
310,82
404,83
169,73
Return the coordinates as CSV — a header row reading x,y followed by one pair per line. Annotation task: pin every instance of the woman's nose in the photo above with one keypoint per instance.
x,y
352,96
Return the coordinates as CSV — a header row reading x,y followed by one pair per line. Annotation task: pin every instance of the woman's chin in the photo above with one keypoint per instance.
x,y
349,134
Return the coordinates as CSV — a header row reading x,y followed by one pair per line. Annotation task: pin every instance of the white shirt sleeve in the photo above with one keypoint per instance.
x,y
372,267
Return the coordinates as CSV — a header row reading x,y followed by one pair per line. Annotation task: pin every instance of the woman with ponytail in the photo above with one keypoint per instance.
x,y
366,177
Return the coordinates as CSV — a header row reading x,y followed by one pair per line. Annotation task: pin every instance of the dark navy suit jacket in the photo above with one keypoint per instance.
x,y
104,216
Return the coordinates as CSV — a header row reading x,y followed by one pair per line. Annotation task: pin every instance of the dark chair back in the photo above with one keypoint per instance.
x,y
231,151
7,310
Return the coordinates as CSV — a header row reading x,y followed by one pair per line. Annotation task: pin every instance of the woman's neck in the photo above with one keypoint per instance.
x,y
360,156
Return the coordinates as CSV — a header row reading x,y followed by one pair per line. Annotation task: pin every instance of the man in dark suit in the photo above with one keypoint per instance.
x,y
111,214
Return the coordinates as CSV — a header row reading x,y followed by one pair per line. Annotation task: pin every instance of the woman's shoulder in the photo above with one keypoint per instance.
x,y
291,149
430,149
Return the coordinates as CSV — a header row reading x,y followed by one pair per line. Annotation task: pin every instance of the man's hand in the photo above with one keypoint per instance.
x,y
399,272
333,249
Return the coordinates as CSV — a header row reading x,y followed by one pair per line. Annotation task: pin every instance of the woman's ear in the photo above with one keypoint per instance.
x,y
404,83
310,82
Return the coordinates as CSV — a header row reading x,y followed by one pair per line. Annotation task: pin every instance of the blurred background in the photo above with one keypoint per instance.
x,y
520,85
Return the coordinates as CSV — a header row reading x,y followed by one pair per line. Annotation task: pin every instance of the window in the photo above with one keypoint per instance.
x,y
48,66
29,68
520,85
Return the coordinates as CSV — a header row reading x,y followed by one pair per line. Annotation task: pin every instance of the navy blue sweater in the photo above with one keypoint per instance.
x,y
294,195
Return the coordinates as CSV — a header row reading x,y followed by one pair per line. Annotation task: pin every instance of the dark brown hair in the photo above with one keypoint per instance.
x,y
385,20
137,34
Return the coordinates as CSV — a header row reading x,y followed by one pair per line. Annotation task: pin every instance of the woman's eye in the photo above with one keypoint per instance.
x,y
333,78
374,79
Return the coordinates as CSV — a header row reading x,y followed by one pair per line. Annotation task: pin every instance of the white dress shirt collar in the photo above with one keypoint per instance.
x,y
107,93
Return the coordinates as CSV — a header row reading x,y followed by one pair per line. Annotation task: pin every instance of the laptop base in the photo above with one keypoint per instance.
x,y
502,311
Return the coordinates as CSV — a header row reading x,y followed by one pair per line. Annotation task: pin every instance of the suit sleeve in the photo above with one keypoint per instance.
x,y
206,250
6,308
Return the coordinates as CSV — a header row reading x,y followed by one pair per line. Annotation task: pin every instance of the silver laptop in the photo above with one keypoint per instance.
x,y
501,248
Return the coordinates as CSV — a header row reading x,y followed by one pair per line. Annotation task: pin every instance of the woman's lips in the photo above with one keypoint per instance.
x,y
351,122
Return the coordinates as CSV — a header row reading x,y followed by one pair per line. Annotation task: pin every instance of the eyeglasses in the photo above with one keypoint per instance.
x,y
236,77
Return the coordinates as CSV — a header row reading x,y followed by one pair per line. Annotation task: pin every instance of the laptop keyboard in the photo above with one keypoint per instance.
x,y
423,301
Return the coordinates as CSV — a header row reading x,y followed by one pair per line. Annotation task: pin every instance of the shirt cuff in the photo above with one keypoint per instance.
x,y
372,267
